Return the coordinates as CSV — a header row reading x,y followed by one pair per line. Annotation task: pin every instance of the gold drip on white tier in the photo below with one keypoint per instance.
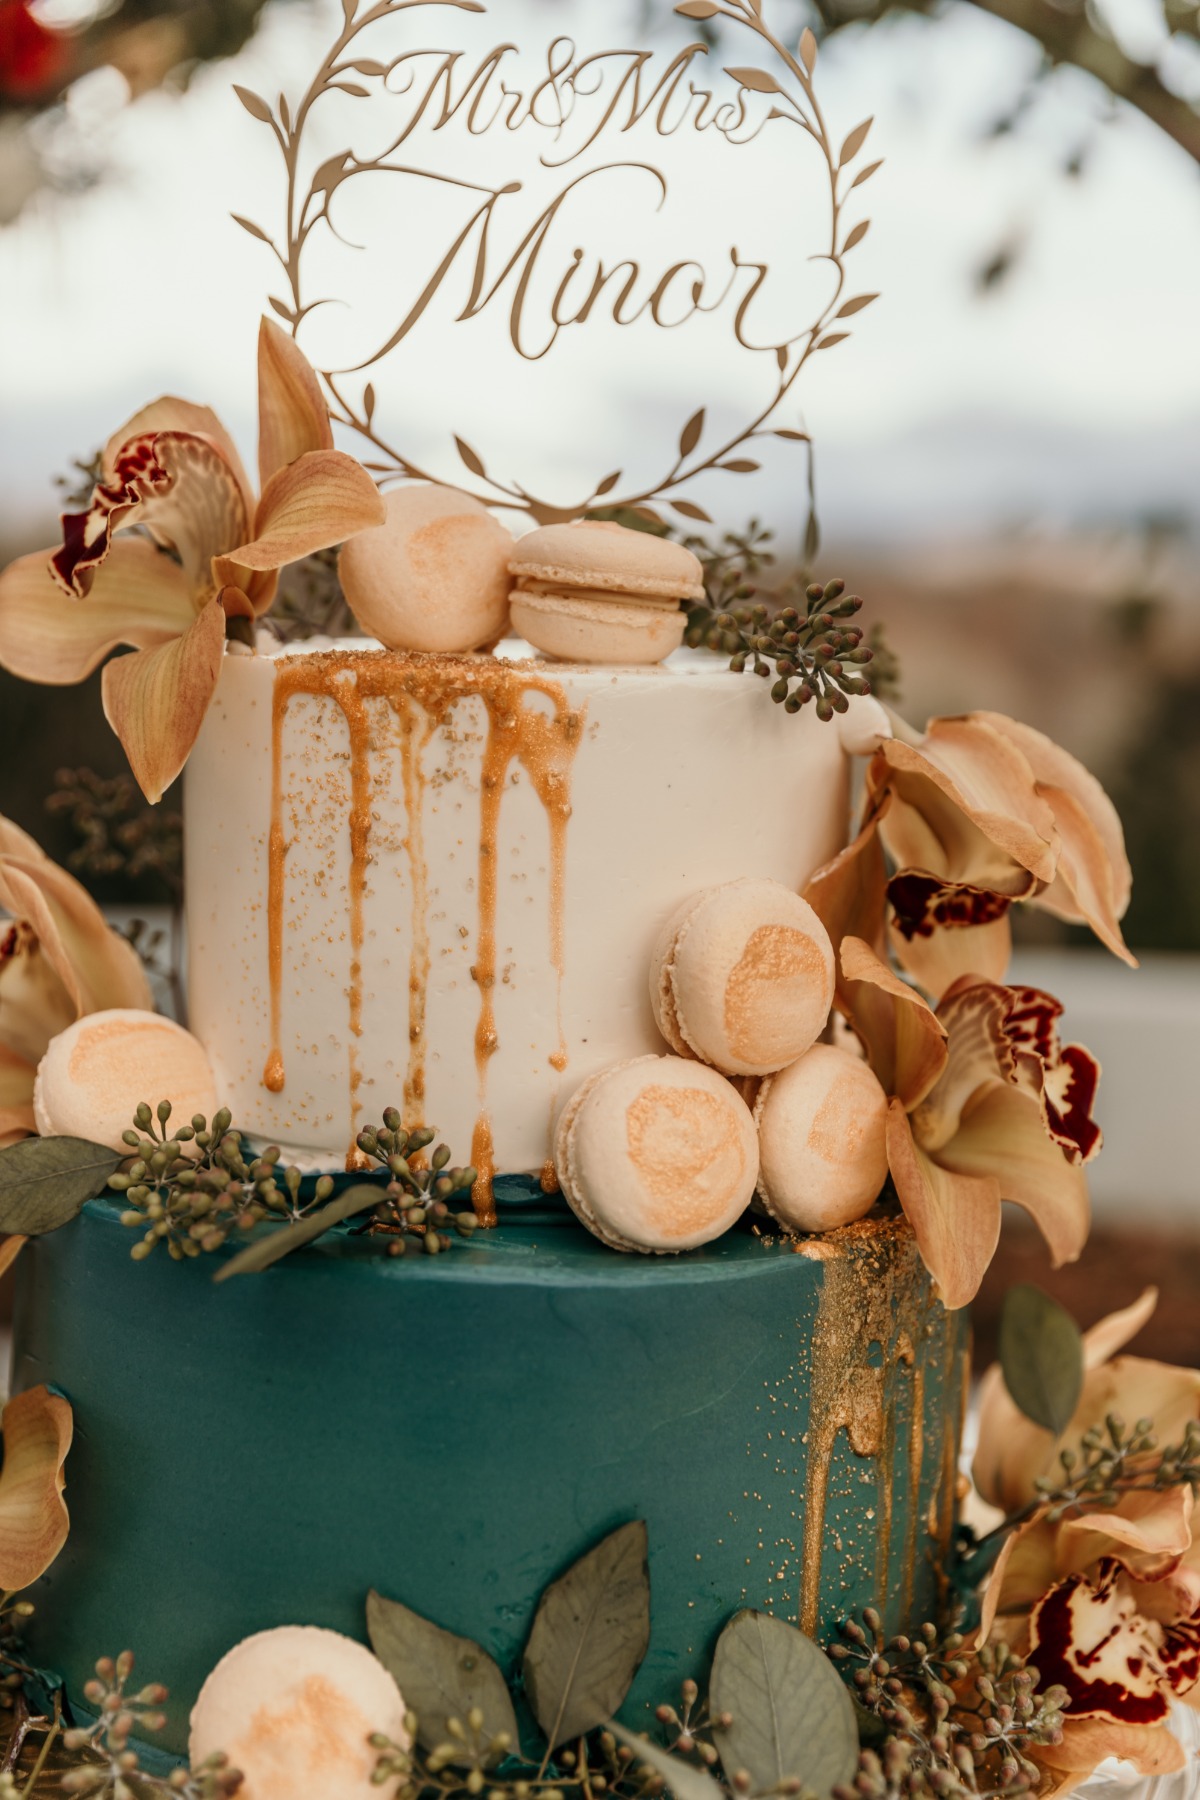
x,y
435,882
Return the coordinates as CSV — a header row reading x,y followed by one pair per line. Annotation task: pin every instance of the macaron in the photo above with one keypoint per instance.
x,y
742,976
597,592
294,1709
97,1072
656,1155
822,1127
433,576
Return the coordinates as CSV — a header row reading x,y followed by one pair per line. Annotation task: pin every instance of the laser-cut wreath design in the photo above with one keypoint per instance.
x,y
793,98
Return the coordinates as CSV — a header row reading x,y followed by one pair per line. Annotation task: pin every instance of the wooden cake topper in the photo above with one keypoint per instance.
x,y
580,104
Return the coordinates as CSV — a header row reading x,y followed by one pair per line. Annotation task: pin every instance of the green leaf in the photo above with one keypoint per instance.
x,y
1041,1356
683,1779
45,1182
589,1636
441,1676
759,81
792,1714
273,1246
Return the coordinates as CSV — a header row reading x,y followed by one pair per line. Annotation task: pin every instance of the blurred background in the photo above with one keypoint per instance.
x,y
1006,459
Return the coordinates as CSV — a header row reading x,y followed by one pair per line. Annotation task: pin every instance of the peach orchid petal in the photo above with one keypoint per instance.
x,y
1088,1635
1084,890
1148,1534
37,1430
179,488
90,966
991,790
848,895
1152,1749
10,1249
1012,1452
1001,1135
1025,1569
1135,1387
139,596
16,1093
155,700
172,414
1056,768
323,498
955,1218
904,1040
979,1052
1110,1334
292,415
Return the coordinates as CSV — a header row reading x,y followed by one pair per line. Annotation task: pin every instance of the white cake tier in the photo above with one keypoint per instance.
x,y
434,882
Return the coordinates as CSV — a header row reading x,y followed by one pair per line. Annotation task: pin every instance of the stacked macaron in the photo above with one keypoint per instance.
x,y
597,592
433,576
664,1153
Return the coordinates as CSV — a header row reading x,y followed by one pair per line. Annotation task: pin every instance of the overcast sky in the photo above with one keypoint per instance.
x,y
1075,386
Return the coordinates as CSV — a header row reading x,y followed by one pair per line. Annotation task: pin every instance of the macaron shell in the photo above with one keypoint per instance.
x,y
597,631
97,1072
433,577
822,1127
602,554
657,1155
662,963
752,977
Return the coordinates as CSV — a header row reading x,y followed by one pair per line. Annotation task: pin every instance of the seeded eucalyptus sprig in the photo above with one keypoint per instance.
x,y
419,1198
953,1723
193,1188
108,1769
812,652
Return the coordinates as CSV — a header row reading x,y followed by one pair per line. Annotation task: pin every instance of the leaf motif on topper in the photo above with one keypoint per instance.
x,y
781,84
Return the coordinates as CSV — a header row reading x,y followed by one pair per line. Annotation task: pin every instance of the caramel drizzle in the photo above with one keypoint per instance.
x,y
858,1309
543,743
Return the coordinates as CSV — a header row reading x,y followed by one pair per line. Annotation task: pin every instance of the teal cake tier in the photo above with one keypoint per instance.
x,y
455,1432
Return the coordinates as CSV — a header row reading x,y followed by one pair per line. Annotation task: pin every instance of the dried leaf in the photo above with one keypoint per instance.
x,y
854,143
470,457
254,104
742,465
44,1182
866,174
683,1779
759,81
273,1246
857,235
834,337
1041,1357
691,434
688,509
256,231
792,1715
589,1635
853,306
441,1676
698,9
808,49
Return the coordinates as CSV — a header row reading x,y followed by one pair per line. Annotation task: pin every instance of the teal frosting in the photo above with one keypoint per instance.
x,y
456,1431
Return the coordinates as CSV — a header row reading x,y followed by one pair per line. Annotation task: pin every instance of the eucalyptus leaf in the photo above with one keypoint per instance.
x,y
683,1779
45,1182
589,1635
441,1676
272,1247
793,1718
1041,1356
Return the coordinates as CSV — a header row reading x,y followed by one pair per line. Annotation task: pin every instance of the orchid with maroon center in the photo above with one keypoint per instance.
x,y
59,959
1104,1599
977,813
174,544
984,1106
